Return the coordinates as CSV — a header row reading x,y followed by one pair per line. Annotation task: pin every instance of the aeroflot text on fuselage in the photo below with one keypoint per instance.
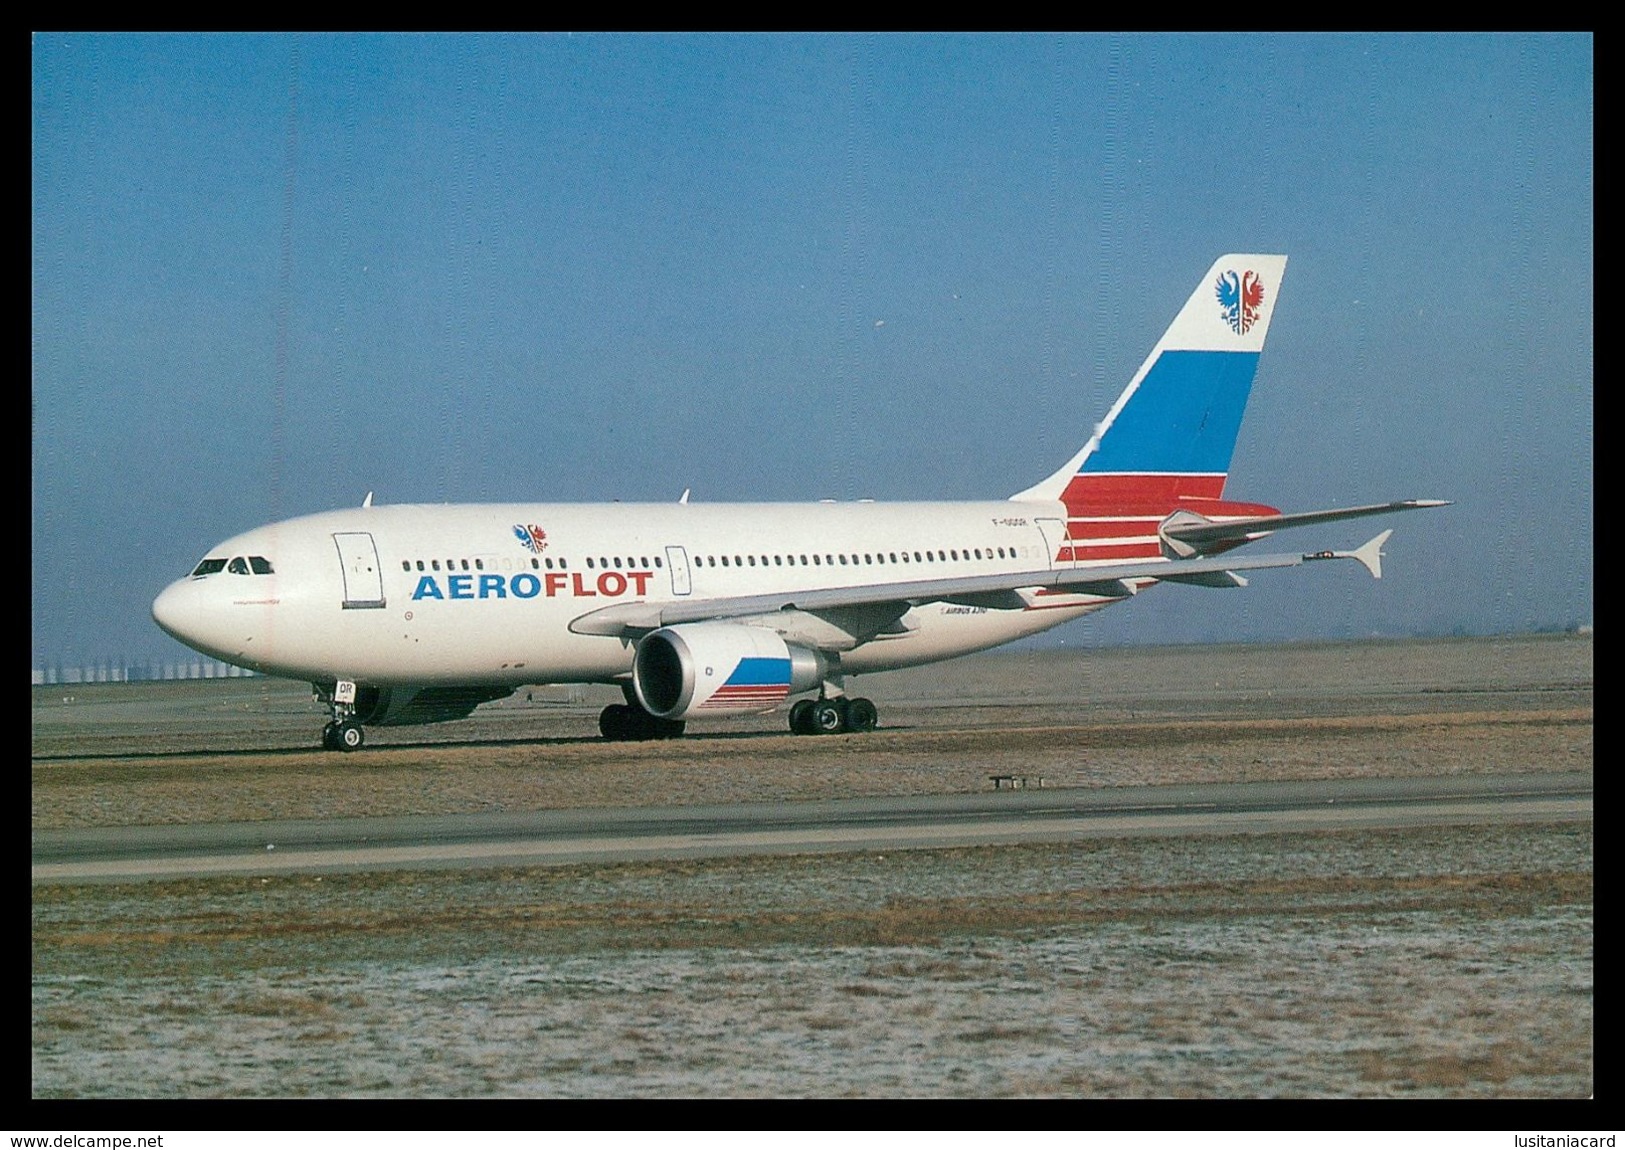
x,y
527,586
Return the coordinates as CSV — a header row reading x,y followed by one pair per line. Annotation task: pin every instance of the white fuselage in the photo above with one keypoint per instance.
x,y
455,594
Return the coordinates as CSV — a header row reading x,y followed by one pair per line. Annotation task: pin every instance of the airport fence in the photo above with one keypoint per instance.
x,y
123,671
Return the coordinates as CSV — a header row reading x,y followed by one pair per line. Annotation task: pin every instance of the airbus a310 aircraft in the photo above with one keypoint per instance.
x,y
419,613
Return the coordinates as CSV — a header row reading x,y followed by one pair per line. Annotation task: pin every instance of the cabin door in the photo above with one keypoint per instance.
x,y
677,558
363,581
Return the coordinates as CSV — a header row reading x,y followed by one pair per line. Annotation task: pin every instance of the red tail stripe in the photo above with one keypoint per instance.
x,y
1119,489
1113,529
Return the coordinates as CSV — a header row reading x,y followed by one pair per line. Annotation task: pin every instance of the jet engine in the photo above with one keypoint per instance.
x,y
720,669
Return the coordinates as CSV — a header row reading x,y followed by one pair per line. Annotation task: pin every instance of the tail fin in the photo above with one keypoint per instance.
x,y
1171,433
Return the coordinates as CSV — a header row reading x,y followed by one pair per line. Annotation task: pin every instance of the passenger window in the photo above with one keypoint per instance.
x,y
589,561
435,563
406,564
209,567
420,564
237,566
658,563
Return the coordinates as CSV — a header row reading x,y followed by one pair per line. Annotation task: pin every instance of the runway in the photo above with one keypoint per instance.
x,y
1032,814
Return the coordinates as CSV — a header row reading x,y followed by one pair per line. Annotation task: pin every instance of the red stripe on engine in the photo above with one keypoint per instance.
x,y
752,695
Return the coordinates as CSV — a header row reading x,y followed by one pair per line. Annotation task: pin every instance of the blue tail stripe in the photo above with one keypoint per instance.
x,y
1183,418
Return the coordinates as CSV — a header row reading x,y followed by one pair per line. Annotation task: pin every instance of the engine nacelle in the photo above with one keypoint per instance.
x,y
720,669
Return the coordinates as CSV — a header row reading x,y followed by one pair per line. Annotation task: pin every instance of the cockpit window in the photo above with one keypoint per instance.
x,y
238,566
260,564
209,567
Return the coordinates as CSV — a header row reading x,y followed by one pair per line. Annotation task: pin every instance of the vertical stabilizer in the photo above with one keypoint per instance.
x,y
1171,433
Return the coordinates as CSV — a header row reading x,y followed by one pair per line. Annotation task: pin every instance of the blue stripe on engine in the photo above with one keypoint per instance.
x,y
756,672
1184,417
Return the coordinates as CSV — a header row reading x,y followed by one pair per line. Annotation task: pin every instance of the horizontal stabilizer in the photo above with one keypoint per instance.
x,y
1201,534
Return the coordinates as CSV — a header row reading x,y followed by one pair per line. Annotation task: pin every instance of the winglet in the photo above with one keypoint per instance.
x,y
684,498
367,502
1369,555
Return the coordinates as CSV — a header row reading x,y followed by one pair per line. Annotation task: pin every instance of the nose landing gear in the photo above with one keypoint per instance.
x,y
343,733
343,736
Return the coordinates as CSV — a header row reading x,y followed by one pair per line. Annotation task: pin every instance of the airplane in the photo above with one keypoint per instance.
x,y
412,613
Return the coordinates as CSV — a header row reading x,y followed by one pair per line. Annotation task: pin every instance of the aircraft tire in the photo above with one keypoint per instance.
x,y
828,716
799,723
330,737
615,722
861,715
349,736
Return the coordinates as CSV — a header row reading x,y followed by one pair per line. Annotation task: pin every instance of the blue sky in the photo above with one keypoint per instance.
x,y
273,273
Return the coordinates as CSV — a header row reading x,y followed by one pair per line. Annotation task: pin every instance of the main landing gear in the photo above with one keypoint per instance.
x,y
627,722
832,716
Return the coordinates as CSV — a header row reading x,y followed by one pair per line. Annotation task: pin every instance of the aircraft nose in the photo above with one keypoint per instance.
x,y
175,610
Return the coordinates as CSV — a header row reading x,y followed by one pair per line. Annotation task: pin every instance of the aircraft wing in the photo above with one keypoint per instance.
x,y
1113,580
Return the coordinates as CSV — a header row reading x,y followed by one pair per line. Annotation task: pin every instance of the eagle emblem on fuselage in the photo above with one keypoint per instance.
x,y
532,536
